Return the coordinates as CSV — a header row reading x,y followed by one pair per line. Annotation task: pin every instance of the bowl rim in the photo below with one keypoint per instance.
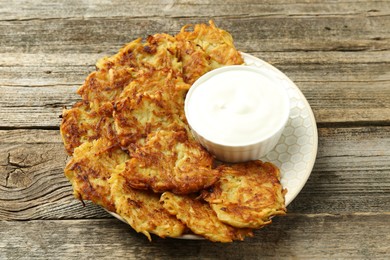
x,y
246,145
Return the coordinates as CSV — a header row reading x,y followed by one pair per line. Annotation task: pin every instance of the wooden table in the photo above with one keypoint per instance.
x,y
338,53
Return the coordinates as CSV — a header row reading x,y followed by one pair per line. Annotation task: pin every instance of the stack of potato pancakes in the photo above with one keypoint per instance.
x,y
133,152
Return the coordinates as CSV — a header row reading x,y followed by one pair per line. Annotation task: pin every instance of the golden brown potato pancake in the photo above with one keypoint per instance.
x,y
149,120
90,168
152,102
102,87
247,194
204,48
171,161
116,72
142,210
201,219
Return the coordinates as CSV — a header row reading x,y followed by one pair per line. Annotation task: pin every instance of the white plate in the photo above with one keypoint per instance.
x,y
296,150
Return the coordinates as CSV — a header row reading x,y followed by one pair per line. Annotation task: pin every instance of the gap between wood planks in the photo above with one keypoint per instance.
x,y
319,125
29,128
353,124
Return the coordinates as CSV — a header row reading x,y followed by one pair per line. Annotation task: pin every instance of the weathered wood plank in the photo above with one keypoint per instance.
x,y
292,236
32,182
258,33
350,175
36,107
40,62
34,70
22,10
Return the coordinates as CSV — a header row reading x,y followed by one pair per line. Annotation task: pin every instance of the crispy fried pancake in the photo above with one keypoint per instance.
x,y
152,102
201,219
204,48
116,72
171,161
247,194
142,210
92,165
82,124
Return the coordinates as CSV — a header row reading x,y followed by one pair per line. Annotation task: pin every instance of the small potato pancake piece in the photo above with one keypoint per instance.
x,y
247,194
171,161
91,166
201,219
142,210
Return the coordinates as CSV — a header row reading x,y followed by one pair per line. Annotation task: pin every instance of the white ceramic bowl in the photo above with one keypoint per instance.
x,y
255,142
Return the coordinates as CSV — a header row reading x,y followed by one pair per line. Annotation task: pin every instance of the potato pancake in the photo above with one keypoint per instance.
x,y
142,210
152,102
205,48
116,72
247,194
170,161
90,168
159,51
201,219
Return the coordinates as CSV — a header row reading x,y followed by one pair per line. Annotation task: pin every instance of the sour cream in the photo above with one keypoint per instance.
x,y
237,106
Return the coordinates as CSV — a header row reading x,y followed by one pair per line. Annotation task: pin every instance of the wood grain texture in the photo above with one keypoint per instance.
x,y
32,182
292,236
257,33
22,10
